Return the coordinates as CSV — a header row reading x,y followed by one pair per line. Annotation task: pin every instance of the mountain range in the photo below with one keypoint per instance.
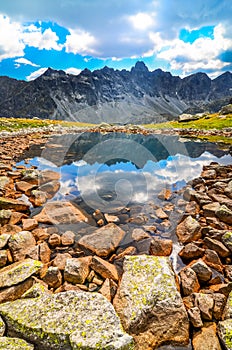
x,y
113,96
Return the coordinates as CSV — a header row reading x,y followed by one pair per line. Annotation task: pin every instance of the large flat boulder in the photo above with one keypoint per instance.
x,y
149,304
69,320
63,213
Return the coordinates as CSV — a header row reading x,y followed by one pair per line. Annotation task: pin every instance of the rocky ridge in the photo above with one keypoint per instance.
x,y
136,96
59,263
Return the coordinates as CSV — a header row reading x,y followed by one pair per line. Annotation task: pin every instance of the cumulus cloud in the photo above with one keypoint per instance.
x,y
11,44
33,36
15,36
203,53
119,29
81,42
36,74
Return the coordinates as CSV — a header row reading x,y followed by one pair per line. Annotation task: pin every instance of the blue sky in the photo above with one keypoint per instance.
x,y
180,36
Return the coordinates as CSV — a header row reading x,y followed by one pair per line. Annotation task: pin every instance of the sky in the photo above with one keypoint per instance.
x,y
179,36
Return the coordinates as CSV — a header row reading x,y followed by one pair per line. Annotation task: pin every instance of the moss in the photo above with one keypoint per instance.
x,y
227,235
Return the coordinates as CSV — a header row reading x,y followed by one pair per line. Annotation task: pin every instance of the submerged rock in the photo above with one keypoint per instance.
x,y
149,304
69,320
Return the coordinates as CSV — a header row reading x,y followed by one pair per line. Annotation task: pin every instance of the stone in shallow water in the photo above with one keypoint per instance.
x,y
103,241
149,304
69,320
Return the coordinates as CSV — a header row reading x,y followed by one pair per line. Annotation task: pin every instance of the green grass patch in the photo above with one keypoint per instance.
x,y
213,121
15,124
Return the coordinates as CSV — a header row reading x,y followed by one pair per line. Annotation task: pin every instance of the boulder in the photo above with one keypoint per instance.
x,y
69,320
206,338
188,230
20,244
9,203
16,291
225,327
3,257
227,240
205,303
77,269
63,213
52,277
189,281
225,333
5,216
191,251
103,241
217,246
149,304
2,327
14,344
50,188
224,214
227,109
228,190
24,187
18,272
104,268
46,176
202,271
195,317
161,247
186,117
4,238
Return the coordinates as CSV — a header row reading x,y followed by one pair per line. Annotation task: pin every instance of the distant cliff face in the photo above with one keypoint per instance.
x,y
136,96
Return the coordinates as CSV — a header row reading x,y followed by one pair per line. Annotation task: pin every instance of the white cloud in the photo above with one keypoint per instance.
x,y
80,42
73,70
141,21
25,61
36,74
48,40
11,44
202,54
14,37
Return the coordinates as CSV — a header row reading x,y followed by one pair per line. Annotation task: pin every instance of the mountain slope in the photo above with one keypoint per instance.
x,y
136,96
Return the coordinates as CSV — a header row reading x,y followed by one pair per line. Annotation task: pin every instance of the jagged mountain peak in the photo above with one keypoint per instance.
x,y
139,67
135,96
52,73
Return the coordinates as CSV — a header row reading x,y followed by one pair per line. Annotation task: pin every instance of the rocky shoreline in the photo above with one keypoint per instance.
x,y
16,143
71,280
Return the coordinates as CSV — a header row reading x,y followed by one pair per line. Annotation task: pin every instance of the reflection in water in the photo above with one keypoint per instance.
x,y
114,171
111,171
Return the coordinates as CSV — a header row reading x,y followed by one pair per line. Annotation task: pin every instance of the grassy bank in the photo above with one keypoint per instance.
x,y
213,121
14,124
